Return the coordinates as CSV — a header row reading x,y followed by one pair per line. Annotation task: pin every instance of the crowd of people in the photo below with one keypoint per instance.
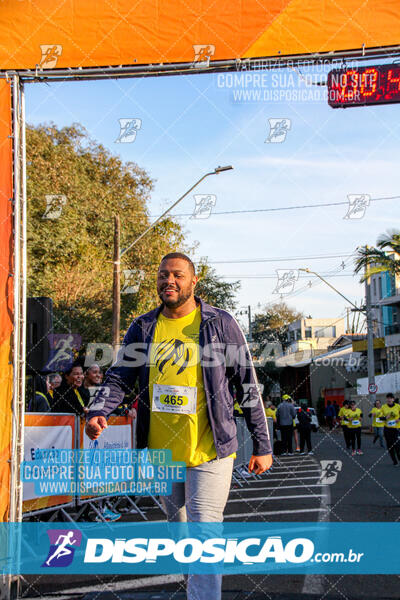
x,y
385,425
69,391
292,425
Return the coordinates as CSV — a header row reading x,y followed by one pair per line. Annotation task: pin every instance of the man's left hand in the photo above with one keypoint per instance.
x,y
260,464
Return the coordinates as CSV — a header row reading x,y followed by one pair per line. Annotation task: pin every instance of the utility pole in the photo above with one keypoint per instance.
x,y
116,301
250,330
370,341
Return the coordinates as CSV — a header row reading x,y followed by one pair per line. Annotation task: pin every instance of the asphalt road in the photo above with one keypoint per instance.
x,y
367,488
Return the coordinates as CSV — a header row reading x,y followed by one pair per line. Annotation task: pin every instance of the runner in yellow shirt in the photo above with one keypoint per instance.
x,y
354,417
391,416
342,416
377,422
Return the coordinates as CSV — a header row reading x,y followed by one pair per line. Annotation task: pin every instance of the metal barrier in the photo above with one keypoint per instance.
x,y
67,431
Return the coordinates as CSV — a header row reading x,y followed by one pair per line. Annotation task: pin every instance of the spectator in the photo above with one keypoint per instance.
x,y
285,413
304,427
330,414
44,391
70,396
270,411
93,376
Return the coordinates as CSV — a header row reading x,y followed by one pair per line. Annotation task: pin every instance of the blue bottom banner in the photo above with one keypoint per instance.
x,y
227,548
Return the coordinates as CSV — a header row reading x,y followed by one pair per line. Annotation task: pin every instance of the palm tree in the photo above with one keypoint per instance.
x,y
381,258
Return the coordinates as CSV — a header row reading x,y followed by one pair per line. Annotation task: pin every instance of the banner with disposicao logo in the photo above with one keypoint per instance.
x,y
228,548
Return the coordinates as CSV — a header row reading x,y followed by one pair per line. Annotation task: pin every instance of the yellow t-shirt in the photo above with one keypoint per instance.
x,y
343,416
175,361
354,418
391,414
376,417
271,412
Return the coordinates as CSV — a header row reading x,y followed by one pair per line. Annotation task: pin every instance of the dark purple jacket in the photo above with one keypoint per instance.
x,y
227,368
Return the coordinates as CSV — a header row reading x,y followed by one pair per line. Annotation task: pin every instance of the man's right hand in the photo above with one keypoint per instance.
x,y
94,427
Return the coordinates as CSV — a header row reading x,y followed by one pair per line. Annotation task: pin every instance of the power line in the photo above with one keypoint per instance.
x,y
277,259
273,276
279,208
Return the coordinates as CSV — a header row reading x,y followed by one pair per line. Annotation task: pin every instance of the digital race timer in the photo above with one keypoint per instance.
x,y
378,84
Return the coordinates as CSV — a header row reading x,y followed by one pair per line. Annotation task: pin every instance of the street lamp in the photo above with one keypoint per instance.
x,y
370,332
116,304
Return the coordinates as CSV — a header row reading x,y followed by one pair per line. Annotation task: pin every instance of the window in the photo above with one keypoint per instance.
x,y
326,332
308,332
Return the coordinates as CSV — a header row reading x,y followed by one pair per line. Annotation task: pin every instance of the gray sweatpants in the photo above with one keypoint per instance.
x,y
201,498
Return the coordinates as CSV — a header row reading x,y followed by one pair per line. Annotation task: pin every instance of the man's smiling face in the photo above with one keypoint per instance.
x,y
175,282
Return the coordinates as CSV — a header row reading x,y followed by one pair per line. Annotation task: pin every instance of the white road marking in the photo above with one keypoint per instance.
x,y
268,498
272,512
114,586
314,584
278,487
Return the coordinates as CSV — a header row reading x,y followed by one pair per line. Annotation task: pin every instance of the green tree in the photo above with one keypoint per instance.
x,y
269,330
271,325
383,257
213,290
70,257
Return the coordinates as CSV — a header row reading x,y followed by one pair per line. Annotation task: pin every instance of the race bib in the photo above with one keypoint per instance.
x,y
391,423
355,422
177,399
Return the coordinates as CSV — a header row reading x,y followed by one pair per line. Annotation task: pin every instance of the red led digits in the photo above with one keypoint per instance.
x,y
393,82
369,82
378,84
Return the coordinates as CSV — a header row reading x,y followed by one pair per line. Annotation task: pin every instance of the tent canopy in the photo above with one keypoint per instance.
x,y
72,33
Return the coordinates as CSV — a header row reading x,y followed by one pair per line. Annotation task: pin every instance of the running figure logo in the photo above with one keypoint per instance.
x,y
278,129
204,203
358,204
61,552
329,471
202,54
62,350
286,281
50,55
54,206
128,130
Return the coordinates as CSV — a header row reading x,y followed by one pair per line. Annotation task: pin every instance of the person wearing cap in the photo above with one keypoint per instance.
x,y
391,416
285,414
354,416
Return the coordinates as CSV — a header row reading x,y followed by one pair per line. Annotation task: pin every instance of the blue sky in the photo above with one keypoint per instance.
x,y
192,124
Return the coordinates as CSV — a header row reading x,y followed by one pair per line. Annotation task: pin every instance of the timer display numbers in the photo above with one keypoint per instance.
x,y
379,84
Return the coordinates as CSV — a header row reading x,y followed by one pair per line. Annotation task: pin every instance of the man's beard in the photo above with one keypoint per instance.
x,y
183,296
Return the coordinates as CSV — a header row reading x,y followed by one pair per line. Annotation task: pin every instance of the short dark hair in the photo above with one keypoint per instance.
x,y
68,371
183,257
390,395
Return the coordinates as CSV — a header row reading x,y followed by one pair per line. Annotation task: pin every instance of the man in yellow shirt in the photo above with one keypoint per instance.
x,y
199,360
391,415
